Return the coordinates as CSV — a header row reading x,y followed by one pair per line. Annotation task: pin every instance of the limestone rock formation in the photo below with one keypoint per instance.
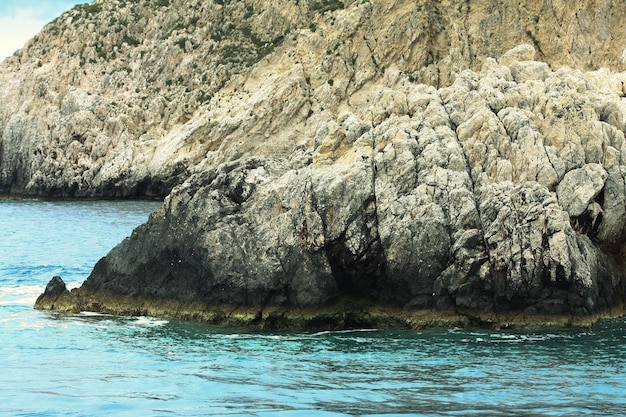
x,y
486,196
383,160
128,98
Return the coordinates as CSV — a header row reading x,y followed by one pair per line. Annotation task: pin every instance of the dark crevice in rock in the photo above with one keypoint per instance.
x,y
358,274
589,222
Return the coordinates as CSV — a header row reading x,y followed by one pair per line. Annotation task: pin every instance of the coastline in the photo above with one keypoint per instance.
x,y
39,197
325,157
341,315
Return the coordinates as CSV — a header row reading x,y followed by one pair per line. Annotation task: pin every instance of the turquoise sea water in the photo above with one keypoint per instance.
x,y
53,364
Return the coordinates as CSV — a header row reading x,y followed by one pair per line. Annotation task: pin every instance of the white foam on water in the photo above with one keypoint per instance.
x,y
19,295
347,331
94,314
149,321
71,285
25,295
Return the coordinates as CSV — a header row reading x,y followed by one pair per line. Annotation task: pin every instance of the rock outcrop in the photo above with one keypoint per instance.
x,y
488,198
377,167
56,296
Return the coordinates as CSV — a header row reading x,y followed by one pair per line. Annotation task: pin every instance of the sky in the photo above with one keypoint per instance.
x,y
20,20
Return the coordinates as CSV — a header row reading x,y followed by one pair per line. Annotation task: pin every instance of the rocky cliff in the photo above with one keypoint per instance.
x,y
128,98
338,164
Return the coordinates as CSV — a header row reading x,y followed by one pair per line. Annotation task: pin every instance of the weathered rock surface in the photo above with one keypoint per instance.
x,y
55,292
486,197
376,165
128,98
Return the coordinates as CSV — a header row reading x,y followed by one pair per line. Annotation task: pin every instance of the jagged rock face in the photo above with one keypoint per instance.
x,y
100,103
377,154
123,98
488,195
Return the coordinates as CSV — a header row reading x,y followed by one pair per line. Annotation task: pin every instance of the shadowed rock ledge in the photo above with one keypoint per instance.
x,y
341,314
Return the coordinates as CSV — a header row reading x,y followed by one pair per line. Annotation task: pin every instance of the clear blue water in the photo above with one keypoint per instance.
x,y
94,365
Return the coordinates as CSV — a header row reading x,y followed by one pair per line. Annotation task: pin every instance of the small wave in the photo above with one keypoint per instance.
x,y
22,295
149,321
512,338
19,295
94,314
349,331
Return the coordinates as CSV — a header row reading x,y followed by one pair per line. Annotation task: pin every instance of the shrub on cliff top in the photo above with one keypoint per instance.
x,y
329,6
91,8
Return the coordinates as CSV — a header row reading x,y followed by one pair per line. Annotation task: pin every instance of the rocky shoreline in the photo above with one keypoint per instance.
x,y
494,195
339,315
375,160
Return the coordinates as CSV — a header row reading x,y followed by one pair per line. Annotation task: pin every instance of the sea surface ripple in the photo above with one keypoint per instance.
x,y
90,364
